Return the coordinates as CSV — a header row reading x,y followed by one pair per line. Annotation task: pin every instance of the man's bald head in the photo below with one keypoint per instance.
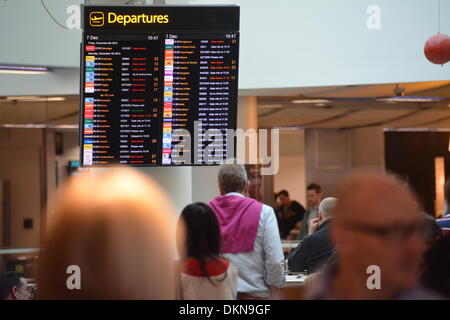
x,y
375,198
327,206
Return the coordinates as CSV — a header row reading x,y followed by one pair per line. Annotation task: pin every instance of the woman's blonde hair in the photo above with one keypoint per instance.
x,y
117,227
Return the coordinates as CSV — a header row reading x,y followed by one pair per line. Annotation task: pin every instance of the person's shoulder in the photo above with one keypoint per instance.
x,y
421,293
308,238
268,217
267,213
321,235
297,204
232,268
266,209
232,271
318,235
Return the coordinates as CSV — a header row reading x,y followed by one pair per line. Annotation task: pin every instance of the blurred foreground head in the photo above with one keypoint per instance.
x,y
117,227
377,221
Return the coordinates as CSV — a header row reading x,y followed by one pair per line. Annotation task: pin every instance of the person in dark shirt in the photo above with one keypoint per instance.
x,y
13,286
316,248
289,213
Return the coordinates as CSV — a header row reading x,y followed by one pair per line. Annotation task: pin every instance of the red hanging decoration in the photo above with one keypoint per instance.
x,y
437,48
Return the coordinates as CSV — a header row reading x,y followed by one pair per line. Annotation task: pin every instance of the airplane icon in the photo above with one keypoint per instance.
x,y
96,19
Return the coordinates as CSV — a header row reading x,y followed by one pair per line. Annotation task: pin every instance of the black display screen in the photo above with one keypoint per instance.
x,y
158,85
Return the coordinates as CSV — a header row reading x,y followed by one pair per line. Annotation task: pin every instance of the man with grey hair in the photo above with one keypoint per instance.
x,y
250,237
316,248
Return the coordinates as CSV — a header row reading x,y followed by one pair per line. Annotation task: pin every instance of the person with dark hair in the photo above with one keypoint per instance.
x,y
444,222
289,213
13,286
313,199
204,274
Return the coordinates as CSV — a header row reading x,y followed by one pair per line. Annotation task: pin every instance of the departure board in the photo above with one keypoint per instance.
x,y
158,85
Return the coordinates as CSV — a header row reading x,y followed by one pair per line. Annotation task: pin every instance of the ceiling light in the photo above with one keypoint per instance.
x,y
23,70
289,128
310,101
410,99
22,97
45,99
32,98
38,126
270,106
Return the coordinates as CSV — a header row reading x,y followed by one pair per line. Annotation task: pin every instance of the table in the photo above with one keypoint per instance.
x,y
294,280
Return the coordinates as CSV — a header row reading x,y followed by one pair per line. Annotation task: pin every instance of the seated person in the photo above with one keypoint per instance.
x,y
289,213
316,248
13,286
204,274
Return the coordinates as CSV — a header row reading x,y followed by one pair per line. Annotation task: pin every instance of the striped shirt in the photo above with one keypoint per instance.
x,y
444,223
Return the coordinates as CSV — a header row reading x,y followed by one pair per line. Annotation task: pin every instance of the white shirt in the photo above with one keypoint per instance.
x,y
200,288
263,266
